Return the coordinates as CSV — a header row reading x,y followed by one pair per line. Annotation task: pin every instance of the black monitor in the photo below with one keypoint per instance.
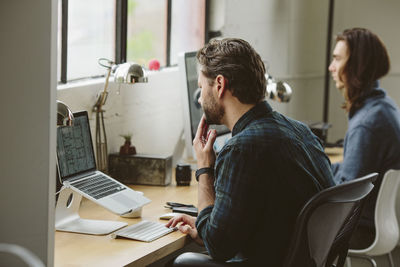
x,y
192,111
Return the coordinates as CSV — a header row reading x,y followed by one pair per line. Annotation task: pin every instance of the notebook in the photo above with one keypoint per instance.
x,y
77,170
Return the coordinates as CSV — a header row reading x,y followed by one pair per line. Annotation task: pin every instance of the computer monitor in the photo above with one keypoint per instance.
x,y
192,111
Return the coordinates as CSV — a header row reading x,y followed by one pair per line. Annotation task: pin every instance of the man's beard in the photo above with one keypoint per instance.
x,y
213,112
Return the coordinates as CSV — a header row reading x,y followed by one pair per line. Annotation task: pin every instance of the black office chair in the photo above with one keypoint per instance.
x,y
322,232
326,223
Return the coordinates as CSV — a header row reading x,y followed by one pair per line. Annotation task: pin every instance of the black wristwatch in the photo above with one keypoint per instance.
x,y
208,170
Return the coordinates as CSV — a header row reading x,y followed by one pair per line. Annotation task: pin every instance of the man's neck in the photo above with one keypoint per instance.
x,y
234,110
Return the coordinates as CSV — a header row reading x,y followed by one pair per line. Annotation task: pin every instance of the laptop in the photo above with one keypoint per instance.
x,y
77,170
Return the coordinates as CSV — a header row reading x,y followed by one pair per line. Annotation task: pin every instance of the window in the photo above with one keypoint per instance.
x,y
126,30
147,31
188,19
91,35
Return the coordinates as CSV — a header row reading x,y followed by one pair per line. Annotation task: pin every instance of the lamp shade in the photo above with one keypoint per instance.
x,y
129,73
64,114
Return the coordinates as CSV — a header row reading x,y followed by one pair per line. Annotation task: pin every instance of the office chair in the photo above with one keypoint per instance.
x,y
322,231
386,225
326,223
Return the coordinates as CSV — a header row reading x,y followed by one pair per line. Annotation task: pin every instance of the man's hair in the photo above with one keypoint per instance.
x,y
240,65
368,61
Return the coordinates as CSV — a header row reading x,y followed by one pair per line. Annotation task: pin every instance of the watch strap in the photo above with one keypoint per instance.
x,y
208,170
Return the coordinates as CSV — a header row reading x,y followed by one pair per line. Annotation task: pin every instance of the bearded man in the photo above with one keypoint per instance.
x,y
250,195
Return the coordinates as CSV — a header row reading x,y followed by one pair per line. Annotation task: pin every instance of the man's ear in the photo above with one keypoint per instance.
x,y
222,83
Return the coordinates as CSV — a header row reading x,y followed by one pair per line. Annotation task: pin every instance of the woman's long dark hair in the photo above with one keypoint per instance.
x,y
368,61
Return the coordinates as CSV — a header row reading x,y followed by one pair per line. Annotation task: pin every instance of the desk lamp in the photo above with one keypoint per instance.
x,y
278,90
64,114
128,73
65,117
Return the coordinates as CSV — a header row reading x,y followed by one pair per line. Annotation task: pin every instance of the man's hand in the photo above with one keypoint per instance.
x,y
203,145
187,226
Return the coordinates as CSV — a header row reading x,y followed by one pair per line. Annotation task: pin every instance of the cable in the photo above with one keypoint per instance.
x,y
58,192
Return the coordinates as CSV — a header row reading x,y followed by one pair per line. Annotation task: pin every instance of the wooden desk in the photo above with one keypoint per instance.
x,y
73,249
89,250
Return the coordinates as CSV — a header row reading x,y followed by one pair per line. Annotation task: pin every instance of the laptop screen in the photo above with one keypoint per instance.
x,y
74,147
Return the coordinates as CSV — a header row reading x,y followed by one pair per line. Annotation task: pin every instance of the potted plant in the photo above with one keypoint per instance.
x,y
127,148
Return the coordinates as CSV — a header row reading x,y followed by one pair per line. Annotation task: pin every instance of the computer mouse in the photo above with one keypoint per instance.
x,y
168,216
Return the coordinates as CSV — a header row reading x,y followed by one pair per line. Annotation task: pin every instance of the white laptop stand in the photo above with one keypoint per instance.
x,y
68,219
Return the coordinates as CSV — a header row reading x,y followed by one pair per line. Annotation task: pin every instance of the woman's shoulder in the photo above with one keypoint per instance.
x,y
376,113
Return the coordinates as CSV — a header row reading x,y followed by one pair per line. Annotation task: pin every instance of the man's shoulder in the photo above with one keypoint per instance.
x,y
270,131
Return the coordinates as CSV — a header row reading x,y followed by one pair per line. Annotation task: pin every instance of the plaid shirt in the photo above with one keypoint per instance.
x,y
266,172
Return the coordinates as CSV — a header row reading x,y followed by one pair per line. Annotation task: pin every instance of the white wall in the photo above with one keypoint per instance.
x,y
291,36
382,18
27,115
151,112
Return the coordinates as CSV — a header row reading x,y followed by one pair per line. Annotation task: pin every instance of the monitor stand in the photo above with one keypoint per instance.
x,y
68,219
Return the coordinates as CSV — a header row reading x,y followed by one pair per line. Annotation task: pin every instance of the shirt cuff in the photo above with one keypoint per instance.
x,y
202,219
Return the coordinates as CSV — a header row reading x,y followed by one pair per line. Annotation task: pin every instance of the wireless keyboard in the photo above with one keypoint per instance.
x,y
144,231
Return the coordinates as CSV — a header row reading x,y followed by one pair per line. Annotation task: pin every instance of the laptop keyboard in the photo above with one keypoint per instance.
x,y
144,231
98,186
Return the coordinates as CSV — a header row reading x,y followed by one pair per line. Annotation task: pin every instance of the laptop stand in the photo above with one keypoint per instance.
x,y
68,219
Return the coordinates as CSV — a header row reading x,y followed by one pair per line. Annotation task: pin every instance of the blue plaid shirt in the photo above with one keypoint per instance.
x,y
266,172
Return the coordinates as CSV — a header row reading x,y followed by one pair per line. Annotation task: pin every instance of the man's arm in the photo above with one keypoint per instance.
x,y
226,226
203,147
206,191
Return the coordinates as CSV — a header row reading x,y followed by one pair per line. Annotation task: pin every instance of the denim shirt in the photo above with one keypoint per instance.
x,y
371,144
264,175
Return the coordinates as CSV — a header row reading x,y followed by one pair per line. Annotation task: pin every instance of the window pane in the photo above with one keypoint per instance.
x,y
187,27
91,35
147,31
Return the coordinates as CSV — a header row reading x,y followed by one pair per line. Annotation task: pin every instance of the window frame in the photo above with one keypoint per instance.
x,y
121,17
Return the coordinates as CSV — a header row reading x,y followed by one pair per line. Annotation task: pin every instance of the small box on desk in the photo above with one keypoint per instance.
x,y
141,169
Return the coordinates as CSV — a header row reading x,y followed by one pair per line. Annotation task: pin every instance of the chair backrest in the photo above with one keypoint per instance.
x,y
20,253
386,225
326,223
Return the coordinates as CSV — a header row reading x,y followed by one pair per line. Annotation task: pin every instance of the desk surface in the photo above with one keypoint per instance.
x,y
73,249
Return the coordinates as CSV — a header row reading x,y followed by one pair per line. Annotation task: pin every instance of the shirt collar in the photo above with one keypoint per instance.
x,y
259,109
